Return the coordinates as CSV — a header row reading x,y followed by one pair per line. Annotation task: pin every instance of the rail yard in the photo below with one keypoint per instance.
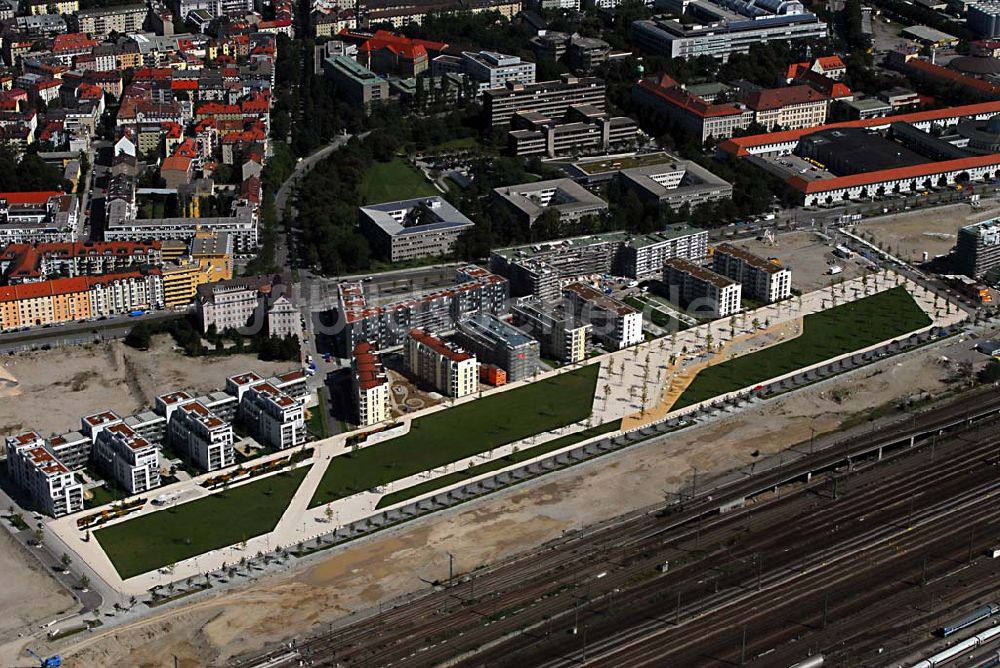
x,y
858,553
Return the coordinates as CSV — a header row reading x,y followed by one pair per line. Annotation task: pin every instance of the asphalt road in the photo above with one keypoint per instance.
x,y
78,332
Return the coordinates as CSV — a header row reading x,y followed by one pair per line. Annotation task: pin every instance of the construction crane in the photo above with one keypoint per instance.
x,y
51,662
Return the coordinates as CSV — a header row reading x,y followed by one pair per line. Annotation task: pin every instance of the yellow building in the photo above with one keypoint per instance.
x,y
213,251
44,303
209,259
55,7
180,283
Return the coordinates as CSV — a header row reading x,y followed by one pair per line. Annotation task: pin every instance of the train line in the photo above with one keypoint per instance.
x,y
519,610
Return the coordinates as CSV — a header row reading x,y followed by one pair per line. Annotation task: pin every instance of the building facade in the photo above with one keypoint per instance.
x,y
761,280
131,460
370,384
560,336
700,290
34,468
413,228
445,367
494,341
615,324
549,98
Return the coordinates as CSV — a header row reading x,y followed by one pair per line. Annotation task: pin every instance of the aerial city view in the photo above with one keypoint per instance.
x,y
507,333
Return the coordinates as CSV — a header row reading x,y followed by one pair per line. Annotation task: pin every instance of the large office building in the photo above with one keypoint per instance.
x,y
720,28
413,228
549,98
567,199
356,83
370,386
443,366
560,335
702,291
541,269
977,249
616,325
761,280
495,341
583,129
386,326
488,69
34,467
675,183
130,459
204,437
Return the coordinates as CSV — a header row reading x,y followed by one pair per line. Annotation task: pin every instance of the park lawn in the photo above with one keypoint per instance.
x,y
463,431
502,463
655,315
834,332
177,533
392,181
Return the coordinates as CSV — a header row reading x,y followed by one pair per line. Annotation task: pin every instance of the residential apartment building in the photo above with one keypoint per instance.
x,y
614,324
84,297
583,129
241,226
38,217
101,22
703,292
977,250
273,417
541,269
568,199
560,336
761,280
549,98
722,28
413,228
443,366
356,83
31,263
203,437
494,341
386,326
370,385
131,460
34,468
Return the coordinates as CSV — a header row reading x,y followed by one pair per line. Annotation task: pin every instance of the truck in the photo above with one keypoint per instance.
x,y
834,269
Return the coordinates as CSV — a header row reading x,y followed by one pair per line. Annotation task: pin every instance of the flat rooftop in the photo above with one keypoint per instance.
x,y
563,195
699,272
407,216
495,329
599,299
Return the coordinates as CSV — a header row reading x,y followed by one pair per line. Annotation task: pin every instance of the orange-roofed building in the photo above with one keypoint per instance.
x,y
444,367
371,386
177,170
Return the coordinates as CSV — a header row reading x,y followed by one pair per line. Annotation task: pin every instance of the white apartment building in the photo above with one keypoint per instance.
x,y
133,461
121,293
371,385
615,324
35,469
204,437
761,279
446,368
703,292
273,417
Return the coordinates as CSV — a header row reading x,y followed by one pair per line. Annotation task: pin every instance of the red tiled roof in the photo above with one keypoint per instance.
x,y
938,72
777,98
439,346
831,62
178,163
63,286
668,90
909,172
36,197
738,145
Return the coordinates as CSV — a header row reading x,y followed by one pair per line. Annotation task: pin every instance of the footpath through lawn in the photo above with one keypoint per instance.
x,y
514,458
463,431
837,331
180,532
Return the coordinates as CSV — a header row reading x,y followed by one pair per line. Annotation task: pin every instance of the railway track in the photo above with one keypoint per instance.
x,y
548,584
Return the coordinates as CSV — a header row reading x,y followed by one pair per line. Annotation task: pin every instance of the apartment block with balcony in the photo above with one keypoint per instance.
x,y
370,385
204,438
762,280
273,418
560,335
702,291
132,461
34,467
443,366
615,324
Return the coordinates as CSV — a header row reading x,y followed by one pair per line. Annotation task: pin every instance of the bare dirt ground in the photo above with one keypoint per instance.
x,y
29,596
809,257
912,233
49,391
213,630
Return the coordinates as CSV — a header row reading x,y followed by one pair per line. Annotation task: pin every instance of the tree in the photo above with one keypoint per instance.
x,y
84,583
140,336
65,560
39,536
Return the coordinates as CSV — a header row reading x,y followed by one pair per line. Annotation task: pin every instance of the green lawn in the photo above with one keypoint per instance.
x,y
173,534
456,433
834,332
657,316
102,495
394,180
520,456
